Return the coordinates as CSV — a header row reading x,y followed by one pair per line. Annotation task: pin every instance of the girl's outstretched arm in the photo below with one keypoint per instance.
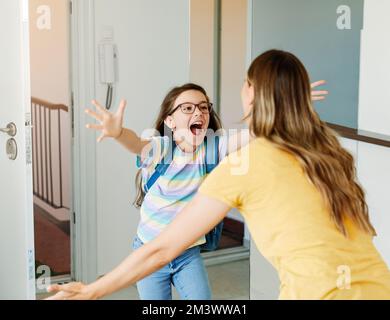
x,y
196,219
111,126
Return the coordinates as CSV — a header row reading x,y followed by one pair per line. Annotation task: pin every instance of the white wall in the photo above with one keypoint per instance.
x,y
202,14
233,60
374,104
153,52
374,175
374,116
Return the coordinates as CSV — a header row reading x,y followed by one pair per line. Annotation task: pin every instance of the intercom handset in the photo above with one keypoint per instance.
x,y
108,65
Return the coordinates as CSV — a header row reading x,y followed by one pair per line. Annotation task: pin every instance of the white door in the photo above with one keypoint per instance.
x,y
17,265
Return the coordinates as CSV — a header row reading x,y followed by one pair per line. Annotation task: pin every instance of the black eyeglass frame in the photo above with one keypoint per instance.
x,y
196,105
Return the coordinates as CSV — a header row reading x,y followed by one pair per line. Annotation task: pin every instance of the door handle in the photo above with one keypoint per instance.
x,y
10,129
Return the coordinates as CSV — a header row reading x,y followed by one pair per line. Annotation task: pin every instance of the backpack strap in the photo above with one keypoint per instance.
x,y
212,152
162,166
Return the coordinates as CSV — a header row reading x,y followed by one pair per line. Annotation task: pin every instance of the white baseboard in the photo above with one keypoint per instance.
x,y
225,255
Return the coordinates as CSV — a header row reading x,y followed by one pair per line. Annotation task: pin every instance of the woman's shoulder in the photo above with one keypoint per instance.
x,y
255,147
258,155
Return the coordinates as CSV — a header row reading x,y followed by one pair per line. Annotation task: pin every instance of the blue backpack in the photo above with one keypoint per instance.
x,y
212,158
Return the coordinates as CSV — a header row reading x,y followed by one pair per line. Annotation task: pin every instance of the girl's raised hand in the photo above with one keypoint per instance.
x,y
318,95
110,123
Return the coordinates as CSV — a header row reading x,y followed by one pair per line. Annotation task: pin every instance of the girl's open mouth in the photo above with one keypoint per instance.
x,y
196,128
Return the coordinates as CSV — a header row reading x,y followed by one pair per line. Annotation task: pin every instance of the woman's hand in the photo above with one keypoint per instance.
x,y
318,95
70,291
110,123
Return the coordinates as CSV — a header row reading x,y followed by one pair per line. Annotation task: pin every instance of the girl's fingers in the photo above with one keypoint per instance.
x,y
318,98
122,106
69,287
54,288
72,287
101,137
99,107
94,126
319,93
318,83
65,291
94,114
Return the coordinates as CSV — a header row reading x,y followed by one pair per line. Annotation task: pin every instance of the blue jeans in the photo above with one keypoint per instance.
x,y
186,272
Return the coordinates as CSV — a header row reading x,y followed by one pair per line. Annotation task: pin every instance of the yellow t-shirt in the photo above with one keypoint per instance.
x,y
292,228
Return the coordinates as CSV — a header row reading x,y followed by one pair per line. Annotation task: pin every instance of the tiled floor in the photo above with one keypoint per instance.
x,y
229,281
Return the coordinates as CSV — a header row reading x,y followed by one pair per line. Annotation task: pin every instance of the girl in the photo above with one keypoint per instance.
x,y
201,214
186,114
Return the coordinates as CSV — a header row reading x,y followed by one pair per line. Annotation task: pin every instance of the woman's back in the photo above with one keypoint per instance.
x,y
292,227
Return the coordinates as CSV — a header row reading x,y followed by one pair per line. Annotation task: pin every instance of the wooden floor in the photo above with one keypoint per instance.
x,y
232,234
52,242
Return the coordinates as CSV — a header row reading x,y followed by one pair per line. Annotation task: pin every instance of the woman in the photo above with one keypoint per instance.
x,y
297,192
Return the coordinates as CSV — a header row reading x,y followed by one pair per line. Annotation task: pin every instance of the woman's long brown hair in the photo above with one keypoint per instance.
x,y
283,113
166,110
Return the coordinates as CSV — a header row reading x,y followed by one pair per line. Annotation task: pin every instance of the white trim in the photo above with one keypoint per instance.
x,y
84,264
225,255
29,226
249,40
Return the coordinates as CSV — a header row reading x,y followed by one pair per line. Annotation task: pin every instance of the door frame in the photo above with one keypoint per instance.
x,y
83,217
25,61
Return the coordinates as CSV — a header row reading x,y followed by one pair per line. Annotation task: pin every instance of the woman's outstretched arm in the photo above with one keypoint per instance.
x,y
196,219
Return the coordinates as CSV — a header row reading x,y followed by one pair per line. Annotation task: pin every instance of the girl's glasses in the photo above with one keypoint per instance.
x,y
189,108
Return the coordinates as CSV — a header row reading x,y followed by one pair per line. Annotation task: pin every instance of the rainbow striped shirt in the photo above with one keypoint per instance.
x,y
173,190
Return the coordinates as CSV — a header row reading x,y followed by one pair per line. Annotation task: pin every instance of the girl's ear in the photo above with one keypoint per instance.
x,y
170,122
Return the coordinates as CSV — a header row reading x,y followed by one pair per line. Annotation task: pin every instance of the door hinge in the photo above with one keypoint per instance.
x,y
70,7
74,217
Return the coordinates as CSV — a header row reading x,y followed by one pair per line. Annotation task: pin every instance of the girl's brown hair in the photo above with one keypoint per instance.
x,y
166,109
283,113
